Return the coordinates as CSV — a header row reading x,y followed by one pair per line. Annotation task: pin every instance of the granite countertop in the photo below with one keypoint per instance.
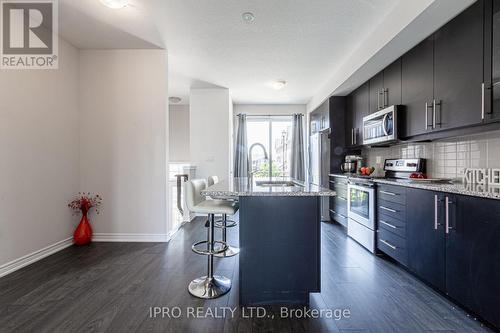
x,y
474,190
241,187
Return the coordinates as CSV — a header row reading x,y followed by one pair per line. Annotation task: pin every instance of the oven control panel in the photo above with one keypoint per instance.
x,y
405,165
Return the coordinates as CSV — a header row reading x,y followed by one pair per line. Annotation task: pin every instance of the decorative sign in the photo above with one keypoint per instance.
x,y
490,177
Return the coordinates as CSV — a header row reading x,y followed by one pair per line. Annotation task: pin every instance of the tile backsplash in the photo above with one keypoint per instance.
x,y
445,158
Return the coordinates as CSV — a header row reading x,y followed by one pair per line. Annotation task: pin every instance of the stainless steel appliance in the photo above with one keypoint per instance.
x,y
351,164
403,168
361,212
361,225
381,126
319,166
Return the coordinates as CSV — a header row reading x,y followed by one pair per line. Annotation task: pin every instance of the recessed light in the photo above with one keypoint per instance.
x,y
279,84
248,17
174,100
115,4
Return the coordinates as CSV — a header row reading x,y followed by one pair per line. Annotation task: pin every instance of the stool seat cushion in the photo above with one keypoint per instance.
x,y
216,207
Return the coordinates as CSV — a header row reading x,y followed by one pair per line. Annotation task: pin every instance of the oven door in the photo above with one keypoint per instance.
x,y
381,126
361,205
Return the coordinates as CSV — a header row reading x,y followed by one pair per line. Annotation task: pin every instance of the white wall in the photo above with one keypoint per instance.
x,y
123,133
210,132
179,133
39,156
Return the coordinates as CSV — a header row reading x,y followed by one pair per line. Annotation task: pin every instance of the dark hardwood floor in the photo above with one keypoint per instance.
x,y
110,287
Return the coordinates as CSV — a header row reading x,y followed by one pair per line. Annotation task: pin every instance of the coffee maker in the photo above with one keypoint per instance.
x,y
352,164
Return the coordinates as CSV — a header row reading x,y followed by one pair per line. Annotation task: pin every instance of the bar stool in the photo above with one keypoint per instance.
x,y
209,286
223,224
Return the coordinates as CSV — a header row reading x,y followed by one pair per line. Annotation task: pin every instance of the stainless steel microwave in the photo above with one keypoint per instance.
x,y
381,126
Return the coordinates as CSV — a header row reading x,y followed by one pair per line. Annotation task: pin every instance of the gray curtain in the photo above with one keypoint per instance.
x,y
241,151
297,168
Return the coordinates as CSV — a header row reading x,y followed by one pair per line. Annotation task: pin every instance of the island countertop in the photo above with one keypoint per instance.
x,y
244,187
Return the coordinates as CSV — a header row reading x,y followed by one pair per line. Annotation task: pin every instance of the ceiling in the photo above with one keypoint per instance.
x,y
319,47
299,41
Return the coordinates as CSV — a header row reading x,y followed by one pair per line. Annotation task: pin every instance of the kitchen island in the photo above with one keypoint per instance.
x,y
279,233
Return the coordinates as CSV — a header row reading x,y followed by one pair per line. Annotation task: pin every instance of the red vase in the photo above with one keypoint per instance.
x,y
83,233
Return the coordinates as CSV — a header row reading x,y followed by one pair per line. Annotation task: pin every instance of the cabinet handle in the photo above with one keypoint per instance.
x,y
447,227
434,123
436,221
482,101
388,244
334,212
352,136
427,107
388,193
386,97
388,224
388,209
378,100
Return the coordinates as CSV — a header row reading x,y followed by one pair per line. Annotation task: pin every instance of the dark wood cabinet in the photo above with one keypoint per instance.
x,y
417,72
377,100
458,70
358,107
425,236
385,87
473,255
392,84
492,61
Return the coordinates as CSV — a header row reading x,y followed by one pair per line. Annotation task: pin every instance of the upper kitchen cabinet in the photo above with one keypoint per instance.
x,y
458,70
392,84
358,107
492,61
385,87
377,92
417,72
320,118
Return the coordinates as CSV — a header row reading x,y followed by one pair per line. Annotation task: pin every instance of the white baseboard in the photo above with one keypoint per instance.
x,y
114,237
28,259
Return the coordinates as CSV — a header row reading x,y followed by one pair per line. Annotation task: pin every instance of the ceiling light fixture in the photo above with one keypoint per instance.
x,y
174,100
248,17
115,4
279,84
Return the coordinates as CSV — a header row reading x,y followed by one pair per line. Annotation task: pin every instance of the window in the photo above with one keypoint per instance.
x,y
274,133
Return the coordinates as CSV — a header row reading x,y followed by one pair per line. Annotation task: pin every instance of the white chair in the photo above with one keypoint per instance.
x,y
223,225
209,286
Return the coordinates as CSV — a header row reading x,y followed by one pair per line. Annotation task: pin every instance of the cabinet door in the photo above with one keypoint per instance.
x,y
392,84
376,92
473,256
349,121
495,77
425,236
360,109
417,86
458,69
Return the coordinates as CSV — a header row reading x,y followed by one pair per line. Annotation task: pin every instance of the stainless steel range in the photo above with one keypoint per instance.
x,y
361,199
361,211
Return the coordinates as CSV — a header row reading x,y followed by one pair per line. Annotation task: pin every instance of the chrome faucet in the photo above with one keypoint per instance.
x,y
250,159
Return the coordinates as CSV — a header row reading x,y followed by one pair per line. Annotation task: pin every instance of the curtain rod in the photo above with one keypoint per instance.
x,y
270,115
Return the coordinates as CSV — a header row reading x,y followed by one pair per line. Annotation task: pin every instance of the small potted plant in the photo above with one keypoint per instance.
x,y
84,203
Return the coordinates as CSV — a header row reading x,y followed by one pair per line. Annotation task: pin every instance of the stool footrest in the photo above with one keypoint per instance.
x,y
222,249
229,224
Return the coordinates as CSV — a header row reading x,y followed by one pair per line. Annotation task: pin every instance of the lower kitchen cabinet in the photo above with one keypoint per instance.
x,y
473,255
451,242
425,236
338,204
